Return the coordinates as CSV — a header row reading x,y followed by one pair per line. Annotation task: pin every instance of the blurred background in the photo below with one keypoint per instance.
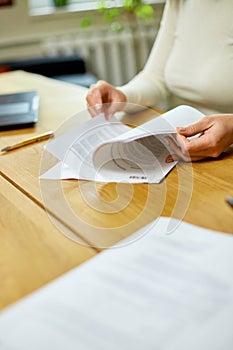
x,y
78,41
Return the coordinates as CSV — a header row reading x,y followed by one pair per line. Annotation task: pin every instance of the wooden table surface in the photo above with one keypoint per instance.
x,y
34,249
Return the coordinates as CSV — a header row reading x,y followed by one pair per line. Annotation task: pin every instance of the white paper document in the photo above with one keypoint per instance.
x,y
157,292
109,151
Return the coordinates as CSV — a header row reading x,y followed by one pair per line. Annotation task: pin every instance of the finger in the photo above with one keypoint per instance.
x,y
95,110
170,158
200,145
112,108
96,94
173,145
91,111
186,153
178,152
196,128
94,98
182,142
108,109
195,149
174,157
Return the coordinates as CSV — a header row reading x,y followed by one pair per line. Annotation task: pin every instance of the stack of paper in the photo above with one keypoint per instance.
x,y
160,291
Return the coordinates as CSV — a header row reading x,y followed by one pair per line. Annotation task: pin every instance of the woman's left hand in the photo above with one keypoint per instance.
x,y
216,135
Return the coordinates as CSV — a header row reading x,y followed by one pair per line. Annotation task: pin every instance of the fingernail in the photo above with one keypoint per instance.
x,y
180,128
108,116
98,107
169,159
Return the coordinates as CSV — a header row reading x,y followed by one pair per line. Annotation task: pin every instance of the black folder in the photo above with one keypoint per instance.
x,y
18,110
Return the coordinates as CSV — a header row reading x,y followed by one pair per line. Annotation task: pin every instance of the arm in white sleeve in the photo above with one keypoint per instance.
x,y
148,87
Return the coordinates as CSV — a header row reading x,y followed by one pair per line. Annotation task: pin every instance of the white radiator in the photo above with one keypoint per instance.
x,y
115,57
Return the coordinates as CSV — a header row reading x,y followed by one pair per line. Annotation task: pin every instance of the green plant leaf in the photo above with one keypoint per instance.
x,y
101,6
111,11
111,14
86,22
117,27
144,11
131,5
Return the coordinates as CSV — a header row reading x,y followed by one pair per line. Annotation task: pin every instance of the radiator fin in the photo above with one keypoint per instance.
x,y
115,57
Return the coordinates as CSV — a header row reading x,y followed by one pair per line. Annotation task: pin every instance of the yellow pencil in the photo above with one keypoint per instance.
x,y
41,137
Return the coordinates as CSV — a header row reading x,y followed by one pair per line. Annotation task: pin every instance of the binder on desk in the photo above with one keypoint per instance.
x,y
18,110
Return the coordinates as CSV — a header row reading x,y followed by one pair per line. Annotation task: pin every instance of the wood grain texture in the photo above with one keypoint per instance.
x,y
102,214
32,250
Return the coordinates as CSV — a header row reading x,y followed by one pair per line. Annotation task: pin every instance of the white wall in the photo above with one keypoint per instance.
x,y
22,35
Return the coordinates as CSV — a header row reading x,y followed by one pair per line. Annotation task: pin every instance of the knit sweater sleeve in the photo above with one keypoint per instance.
x,y
148,87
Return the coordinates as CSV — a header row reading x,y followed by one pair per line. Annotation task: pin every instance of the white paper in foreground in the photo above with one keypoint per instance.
x,y
165,292
108,151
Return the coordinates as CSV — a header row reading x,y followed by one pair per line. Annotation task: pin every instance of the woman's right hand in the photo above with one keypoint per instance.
x,y
104,93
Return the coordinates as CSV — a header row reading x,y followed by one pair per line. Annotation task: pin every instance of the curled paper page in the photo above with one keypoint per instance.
x,y
109,151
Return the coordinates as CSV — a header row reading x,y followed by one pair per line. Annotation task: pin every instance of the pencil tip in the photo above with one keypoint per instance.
x,y
5,149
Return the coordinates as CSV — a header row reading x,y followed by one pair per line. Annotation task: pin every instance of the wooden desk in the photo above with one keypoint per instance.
x,y
101,214
32,250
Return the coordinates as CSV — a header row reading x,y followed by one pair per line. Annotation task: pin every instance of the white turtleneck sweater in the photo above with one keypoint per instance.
x,y
191,61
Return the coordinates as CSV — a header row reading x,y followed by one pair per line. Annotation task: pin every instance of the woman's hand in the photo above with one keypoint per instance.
x,y
216,135
103,93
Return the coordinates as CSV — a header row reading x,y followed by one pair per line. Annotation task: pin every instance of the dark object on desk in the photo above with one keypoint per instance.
x,y
18,110
229,200
78,79
66,68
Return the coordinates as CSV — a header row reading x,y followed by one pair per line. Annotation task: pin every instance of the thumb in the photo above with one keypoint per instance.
x,y
195,128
